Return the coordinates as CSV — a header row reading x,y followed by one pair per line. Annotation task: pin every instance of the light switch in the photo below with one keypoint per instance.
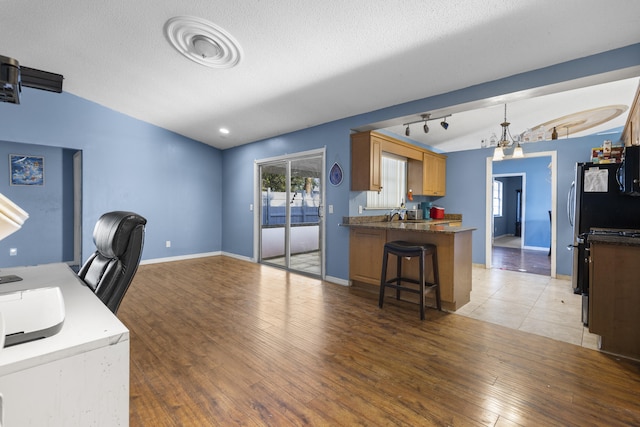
x,y
330,209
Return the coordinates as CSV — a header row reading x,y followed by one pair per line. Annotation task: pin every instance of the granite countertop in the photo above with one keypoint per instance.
x,y
614,239
424,226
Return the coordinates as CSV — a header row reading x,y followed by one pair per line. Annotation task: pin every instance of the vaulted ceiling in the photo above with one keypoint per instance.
x,y
306,63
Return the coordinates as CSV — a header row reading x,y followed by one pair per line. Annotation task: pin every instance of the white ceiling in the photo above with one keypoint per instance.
x,y
308,63
471,123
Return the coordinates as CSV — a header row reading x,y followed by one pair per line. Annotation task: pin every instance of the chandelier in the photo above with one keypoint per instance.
x,y
506,141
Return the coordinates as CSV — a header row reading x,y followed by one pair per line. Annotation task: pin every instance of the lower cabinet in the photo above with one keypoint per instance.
x,y
454,261
614,298
365,254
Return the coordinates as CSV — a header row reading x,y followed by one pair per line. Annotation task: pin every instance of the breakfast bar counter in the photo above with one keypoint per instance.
x,y
426,226
366,246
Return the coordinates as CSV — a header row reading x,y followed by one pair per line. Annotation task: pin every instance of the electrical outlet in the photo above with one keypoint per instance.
x,y
13,251
251,207
168,243
360,209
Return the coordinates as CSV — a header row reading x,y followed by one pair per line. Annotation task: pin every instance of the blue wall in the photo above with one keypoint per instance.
x,y
466,190
198,197
50,207
465,170
505,225
171,180
537,228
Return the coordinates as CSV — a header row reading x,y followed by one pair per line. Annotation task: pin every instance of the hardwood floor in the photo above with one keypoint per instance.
x,y
219,341
523,260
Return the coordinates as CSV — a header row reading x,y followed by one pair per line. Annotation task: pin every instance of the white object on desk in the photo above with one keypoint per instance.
x,y
78,377
31,314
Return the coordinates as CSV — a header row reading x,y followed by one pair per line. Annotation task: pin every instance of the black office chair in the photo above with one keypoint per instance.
x,y
119,237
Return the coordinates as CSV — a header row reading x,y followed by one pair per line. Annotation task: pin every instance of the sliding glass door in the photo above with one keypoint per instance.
x,y
291,212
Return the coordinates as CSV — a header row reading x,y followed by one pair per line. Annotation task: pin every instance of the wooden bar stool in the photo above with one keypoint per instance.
x,y
401,250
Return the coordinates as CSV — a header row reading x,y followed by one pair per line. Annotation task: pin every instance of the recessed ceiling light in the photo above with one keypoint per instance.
x,y
203,42
224,130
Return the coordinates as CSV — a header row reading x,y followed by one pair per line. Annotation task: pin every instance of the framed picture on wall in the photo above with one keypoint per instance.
x,y
26,170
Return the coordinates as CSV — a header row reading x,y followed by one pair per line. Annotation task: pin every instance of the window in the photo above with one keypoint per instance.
x,y
497,198
394,184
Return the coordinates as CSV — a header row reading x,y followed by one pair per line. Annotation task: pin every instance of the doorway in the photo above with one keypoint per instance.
x,y
291,212
527,253
508,210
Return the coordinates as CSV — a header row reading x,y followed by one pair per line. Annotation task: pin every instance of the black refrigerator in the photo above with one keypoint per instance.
x,y
596,201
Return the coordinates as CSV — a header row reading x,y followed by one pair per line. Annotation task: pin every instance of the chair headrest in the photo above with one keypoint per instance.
x,y
112,231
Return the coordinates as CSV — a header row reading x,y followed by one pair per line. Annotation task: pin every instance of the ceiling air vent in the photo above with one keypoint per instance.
x,y
9,80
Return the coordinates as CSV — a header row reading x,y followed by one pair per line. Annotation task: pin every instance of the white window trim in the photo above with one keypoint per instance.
x,y
375,199
499,197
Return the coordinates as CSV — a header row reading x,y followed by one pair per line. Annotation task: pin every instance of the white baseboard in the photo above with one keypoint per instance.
x,y
179,258
337,281
194,256
240,257
536,248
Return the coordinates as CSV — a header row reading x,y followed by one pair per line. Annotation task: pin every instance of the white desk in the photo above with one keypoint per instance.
x,y
78,377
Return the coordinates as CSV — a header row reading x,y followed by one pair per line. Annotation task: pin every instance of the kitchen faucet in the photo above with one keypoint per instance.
x,y
400,212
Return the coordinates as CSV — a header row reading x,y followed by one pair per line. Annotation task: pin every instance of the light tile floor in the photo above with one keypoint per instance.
x,y
528,302
305,263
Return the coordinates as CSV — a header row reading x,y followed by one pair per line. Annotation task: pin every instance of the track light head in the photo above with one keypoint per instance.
x,y
425,127
444,124
407,131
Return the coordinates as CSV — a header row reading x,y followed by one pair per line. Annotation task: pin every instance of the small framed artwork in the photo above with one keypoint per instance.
x,y
26,170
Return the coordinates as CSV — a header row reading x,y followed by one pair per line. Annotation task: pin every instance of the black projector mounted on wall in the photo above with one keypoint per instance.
x,y
13,77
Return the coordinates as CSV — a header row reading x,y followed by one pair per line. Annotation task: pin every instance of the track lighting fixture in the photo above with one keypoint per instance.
x,y
425,119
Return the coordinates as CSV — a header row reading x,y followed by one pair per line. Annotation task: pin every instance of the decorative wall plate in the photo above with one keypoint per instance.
x,y
335,174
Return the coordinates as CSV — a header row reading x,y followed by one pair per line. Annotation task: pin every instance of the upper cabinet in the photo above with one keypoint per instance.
x,y
630,134
366,162
427,177
426,170
434,174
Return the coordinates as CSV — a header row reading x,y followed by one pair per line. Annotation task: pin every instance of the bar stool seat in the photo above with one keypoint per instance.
x,y
402,249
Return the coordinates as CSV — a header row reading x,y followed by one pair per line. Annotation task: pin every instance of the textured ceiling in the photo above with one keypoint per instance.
x,y
304,63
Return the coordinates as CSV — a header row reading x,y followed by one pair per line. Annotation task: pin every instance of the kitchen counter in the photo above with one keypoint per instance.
x,y
424,226
368,236
615,237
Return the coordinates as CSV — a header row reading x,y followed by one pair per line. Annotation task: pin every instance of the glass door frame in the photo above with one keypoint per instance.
x,y
257,205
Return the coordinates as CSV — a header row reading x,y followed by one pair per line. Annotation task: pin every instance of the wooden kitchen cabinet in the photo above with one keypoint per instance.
x,y
366,247
426,170
427,177
366,162
434,174
614,297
